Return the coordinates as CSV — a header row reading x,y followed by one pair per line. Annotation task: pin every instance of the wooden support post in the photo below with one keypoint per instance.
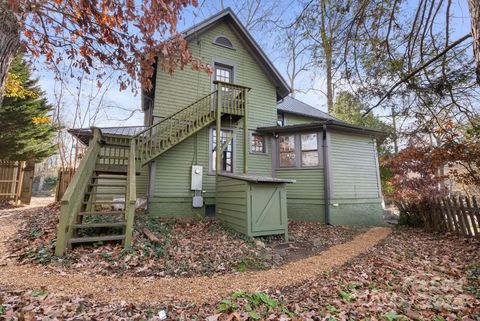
x,y
131,196
246,137
218,119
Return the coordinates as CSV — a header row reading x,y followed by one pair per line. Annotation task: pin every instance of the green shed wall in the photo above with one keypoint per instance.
x,y
355,191
171,194
232,203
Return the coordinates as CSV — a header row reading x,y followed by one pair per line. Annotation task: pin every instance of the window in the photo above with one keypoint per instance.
x,y
227,155
309,150
223,41
280,119
223,73
258,144
299,151
287,151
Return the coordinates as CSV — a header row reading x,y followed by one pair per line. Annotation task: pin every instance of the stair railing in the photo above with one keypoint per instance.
x,y
173,129
131,196
73,197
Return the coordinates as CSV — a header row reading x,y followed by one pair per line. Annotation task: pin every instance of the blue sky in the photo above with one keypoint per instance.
x,y
286,9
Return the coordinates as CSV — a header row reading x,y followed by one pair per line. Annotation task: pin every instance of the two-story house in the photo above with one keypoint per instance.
x,y
232,145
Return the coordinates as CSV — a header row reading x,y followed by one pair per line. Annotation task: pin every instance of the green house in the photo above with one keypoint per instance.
x,y
232,145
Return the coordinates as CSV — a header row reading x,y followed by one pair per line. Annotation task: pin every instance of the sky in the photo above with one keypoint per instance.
x,y
129,103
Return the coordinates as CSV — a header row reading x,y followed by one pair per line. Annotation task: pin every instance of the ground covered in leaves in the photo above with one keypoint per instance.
x,y
411,275
185,247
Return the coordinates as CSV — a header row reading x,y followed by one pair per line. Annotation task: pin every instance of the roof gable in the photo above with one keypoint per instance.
x,y
229,17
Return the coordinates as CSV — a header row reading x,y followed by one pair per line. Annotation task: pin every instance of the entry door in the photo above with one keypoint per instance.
x,y
268,207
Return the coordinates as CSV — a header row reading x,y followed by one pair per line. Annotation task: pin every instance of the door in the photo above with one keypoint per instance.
x,y
268,207
224,73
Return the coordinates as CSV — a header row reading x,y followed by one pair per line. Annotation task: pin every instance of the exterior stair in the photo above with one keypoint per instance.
x,y
110,166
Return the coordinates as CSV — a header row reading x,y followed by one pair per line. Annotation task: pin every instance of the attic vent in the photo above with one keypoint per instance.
x,y
223,41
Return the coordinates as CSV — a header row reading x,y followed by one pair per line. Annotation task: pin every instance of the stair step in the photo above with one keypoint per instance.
x,y
105,202
97,239
106,168
112,157
117,177
106,224
109,185
102,213
104,193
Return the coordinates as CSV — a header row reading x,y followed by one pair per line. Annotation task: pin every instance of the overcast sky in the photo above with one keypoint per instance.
x,y
286,9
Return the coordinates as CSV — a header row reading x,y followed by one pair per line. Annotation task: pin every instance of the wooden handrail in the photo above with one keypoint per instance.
x,y
230,84
73,197
172,115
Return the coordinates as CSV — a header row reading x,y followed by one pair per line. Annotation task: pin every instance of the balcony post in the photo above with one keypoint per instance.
x,y
246,136
218,119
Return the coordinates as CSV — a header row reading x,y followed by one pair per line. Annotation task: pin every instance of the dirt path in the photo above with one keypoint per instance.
x,y
195,289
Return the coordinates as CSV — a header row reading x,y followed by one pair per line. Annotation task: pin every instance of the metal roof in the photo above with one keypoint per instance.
x,y
295,106
84,134
319,125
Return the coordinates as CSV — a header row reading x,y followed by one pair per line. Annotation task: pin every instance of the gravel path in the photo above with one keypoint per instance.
x,y
195,289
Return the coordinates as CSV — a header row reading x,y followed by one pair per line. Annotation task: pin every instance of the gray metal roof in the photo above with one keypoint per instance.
x,y
295,106
84,134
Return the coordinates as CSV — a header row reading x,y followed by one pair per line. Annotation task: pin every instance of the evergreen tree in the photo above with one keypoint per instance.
x,y
26,131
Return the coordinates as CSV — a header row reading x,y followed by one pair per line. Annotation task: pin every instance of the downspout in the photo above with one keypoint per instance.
x,y
326,180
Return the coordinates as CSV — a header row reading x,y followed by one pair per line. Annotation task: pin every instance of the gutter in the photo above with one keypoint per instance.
x,y
326,174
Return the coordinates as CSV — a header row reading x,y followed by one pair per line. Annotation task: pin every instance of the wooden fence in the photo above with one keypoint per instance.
x,y
65,176
11,178
460,215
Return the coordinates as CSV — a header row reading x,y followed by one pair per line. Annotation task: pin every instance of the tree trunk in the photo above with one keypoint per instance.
x,y
9,41
329,84
474,6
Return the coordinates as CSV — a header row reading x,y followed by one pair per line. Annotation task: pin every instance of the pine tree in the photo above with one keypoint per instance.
x,y
26,131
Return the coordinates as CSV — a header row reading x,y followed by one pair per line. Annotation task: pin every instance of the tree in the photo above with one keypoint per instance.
x,y
27,132
124,35
323,22
350,109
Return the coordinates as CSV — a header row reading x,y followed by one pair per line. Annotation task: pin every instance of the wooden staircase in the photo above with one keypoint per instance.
x,y
110,166
172,130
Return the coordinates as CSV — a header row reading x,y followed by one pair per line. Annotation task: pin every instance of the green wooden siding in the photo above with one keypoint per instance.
x,y
172,195
356,197
305,198
232,203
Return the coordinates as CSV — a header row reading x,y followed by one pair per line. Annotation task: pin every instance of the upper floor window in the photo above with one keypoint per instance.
x,y
280,119
223,73
223,41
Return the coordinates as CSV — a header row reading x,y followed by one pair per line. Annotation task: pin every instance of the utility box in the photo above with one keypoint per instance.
x,y
253,205
197,177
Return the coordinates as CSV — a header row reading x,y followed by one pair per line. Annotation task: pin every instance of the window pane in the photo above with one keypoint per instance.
x,y
287,144
258,143
309,142
287,159
227,155
310,158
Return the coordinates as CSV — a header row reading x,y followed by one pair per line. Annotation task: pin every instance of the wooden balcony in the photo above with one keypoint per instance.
x,y
232,98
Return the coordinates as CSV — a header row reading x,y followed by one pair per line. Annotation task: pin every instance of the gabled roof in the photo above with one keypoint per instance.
x,y
227,15
295,106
